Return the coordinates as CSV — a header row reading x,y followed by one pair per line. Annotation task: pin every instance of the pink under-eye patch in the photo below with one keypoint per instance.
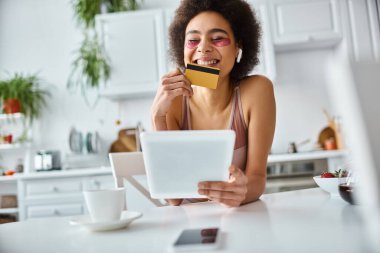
x,y
222,42
192,43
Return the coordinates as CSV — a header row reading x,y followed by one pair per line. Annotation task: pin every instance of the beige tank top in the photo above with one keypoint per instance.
x,y
237,124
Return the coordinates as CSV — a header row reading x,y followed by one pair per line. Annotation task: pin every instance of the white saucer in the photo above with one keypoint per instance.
x,y
126,218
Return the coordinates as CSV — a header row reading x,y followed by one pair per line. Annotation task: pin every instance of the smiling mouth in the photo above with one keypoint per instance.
x,y
207,63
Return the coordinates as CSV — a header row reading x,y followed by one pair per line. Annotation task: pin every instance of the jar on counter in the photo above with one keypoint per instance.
x,y
20,166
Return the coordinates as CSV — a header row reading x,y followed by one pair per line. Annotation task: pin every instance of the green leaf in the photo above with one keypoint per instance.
x,y
90,67
26,89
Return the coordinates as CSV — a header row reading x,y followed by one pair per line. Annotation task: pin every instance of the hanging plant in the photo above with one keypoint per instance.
x,y
121,5
86,10
90,68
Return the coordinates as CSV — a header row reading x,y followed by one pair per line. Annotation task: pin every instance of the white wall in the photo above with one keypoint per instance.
x,y
41,36
301,95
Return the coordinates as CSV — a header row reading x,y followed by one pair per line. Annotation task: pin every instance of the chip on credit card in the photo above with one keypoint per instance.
x,y
202,76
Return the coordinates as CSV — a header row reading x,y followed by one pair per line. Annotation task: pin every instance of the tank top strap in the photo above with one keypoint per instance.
x,y
237,122
185,121
232,114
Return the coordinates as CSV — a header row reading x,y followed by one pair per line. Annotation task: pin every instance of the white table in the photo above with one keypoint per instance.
x,y
297,221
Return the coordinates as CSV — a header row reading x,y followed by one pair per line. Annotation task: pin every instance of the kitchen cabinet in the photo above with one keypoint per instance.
x,y
54,210
51,188
53,196
364,30
267,65
134,44
299,24
49,197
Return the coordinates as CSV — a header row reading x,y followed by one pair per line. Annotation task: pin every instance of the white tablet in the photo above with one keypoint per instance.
x,y
176,161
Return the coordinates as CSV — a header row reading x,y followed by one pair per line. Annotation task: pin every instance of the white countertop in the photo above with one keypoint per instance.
x,y
273,158
309,155
59,173
297,221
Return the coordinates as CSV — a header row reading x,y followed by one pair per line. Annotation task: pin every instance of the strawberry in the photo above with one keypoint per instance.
x,y
327,175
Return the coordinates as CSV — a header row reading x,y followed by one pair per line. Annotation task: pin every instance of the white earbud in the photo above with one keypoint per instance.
x,y
240,54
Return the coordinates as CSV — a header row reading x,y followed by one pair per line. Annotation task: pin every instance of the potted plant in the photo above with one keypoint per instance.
x,y
91,68
8,96
25,89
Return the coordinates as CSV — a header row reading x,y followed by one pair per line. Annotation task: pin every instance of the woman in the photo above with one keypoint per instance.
x,y
222,34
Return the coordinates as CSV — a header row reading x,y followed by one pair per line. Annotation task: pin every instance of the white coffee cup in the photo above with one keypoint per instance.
x,y
105,205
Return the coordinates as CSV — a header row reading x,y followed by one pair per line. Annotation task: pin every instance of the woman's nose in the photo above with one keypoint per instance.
x,y
204,46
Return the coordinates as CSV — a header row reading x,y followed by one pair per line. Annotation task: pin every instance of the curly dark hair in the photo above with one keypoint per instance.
x,y
244,24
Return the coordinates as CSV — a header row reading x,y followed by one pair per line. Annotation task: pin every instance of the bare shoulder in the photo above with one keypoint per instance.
x,y
256,85
257,98
256,89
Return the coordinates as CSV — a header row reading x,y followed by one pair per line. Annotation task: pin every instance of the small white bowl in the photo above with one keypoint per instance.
x,y
330,185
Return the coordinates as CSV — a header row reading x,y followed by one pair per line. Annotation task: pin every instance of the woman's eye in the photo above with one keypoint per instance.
x,y
192,43
221,42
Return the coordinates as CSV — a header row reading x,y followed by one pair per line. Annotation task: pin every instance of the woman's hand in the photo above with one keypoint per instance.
x,y
231,193
174,202
172,85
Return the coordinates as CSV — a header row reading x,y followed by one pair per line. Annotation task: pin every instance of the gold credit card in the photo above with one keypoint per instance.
x,y
202,76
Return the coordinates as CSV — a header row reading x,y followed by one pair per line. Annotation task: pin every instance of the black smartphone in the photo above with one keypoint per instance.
x,y
193,239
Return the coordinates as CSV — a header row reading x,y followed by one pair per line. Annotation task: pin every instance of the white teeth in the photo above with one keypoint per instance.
x,y
200,62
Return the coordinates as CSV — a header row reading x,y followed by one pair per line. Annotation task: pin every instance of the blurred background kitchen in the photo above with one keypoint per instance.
x,y
98,76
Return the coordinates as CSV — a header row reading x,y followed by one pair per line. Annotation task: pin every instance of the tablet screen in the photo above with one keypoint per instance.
x,y
176,161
